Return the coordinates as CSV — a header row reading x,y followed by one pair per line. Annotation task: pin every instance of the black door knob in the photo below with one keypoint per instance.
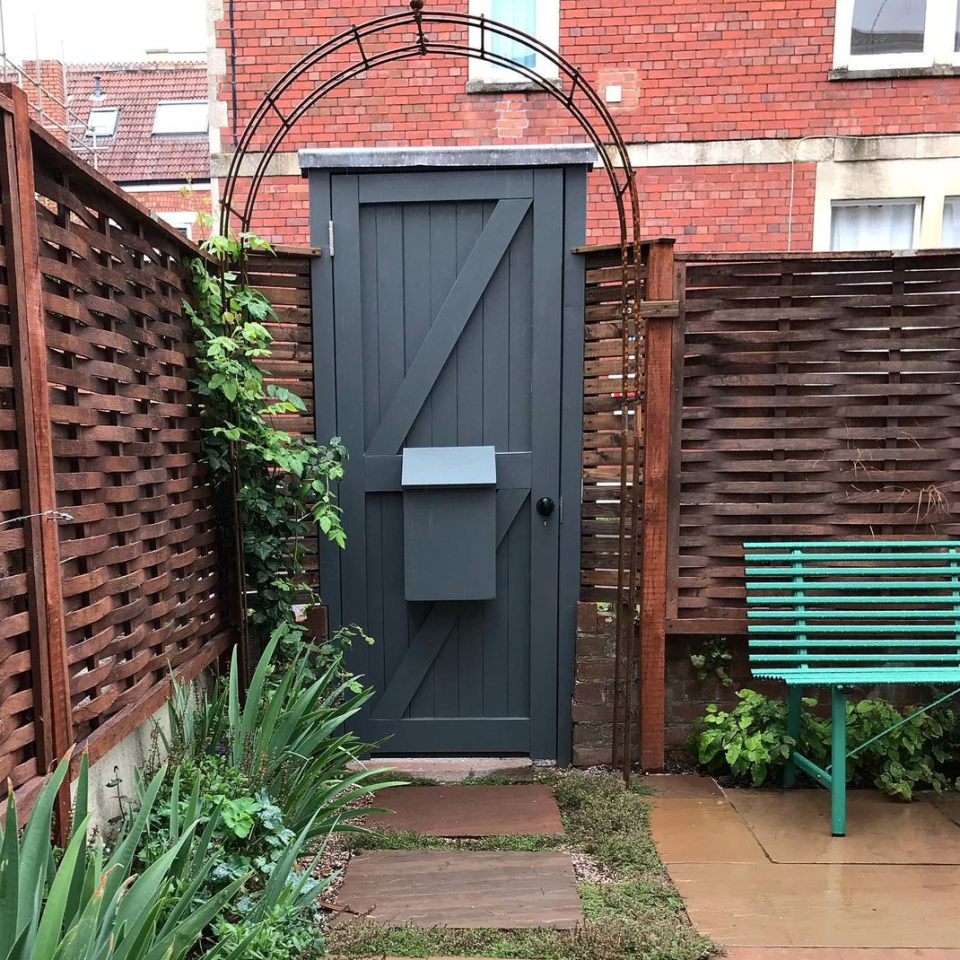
x,y
545,506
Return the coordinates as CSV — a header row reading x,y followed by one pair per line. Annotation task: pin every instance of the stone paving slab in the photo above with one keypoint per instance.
x,y
948,804
462,889
702,831
681,786
453,769
522,809
822,905
839,953
794,827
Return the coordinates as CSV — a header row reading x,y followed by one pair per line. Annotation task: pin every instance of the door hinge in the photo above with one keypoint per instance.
x,y
330,236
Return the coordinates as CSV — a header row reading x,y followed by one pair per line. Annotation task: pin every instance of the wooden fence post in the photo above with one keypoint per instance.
x,y
657,416
51,686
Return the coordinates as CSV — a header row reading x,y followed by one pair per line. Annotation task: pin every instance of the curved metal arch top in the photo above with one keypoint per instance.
x,y
578,96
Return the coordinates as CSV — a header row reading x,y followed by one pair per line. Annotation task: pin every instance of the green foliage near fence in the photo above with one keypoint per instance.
x,y
750,743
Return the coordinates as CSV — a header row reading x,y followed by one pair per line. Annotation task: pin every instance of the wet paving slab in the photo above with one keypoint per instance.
x,y
794,827
462,889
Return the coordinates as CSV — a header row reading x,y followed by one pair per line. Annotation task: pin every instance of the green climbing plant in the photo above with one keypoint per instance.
x,y
285,484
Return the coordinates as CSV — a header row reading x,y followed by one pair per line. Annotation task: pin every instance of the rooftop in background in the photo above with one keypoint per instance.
x,y
135,153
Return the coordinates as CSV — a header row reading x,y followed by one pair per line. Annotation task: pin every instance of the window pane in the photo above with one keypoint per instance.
x,y
521,14
956,36
951,223
888,26
874,226
187,117
103,121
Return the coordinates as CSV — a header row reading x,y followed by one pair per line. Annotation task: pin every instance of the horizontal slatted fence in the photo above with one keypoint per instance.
x,y
284,278
602,401
127,581
820,398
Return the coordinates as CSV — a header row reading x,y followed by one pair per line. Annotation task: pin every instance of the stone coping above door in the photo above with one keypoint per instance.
x,y
373,158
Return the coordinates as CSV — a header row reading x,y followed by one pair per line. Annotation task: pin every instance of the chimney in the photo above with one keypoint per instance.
x,y
44,83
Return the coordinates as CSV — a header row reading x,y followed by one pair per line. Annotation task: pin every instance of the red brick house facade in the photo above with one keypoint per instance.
x,y
143,125
755,124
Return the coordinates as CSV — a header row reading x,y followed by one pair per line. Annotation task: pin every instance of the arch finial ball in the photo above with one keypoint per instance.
x,y
416,5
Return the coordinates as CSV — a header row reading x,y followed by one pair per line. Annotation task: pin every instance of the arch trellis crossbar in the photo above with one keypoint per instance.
x,y
578,96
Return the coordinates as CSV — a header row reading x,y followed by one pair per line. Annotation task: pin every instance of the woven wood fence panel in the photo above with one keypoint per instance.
x,y
821,398
602,374
18,733
141,585
284,278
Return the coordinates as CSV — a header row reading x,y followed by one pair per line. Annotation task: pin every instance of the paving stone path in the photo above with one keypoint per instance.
x,y
759,872
466,888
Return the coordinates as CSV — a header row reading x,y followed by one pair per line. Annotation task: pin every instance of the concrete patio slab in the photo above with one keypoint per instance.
x,y
681,786
948,804
702,831
822,905
794,827
463,889
522,809
453,769
838,953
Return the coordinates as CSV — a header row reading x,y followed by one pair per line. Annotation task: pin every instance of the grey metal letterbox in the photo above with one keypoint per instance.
x,y
449,523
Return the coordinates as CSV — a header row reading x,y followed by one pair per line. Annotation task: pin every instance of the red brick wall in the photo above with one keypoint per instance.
x,y
49,74
720,69
180,201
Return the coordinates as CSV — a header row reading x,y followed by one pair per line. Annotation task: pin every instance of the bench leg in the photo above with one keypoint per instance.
x,y
838,767
794,708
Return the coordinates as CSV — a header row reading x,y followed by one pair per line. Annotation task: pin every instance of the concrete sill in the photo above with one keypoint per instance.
x,y
887,73
509,86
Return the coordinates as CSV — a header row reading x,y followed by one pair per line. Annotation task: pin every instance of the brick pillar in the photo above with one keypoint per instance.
x,y
593,689
51,99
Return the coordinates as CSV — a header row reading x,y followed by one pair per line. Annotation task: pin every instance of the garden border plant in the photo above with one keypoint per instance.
x,y
282,485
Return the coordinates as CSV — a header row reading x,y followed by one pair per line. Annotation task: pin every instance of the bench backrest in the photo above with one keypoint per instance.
x,y
852,604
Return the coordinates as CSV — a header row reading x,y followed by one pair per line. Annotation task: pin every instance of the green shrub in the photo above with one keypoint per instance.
x,y
89,904
750,742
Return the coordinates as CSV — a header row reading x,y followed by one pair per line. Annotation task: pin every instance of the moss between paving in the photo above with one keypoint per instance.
x,y
637,916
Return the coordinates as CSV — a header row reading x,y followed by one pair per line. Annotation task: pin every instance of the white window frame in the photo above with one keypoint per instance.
x,y
547,32
182,133
884,202
952,201
939,35
183,220
104,110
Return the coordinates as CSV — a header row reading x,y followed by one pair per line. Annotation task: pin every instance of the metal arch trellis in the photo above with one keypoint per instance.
x,y
572,88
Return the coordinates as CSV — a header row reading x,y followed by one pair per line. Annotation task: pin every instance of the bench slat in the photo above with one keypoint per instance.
x,y
841,614
853,544
789,599
833,571
851,555
787,642
850,585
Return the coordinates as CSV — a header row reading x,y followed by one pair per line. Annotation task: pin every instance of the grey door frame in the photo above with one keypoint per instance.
x,y
558,362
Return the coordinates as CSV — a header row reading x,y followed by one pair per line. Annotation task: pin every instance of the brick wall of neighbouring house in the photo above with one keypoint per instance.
x,y
180,201
689,71
47,105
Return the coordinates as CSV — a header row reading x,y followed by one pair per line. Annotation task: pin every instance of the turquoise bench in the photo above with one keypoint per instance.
x,y
842,614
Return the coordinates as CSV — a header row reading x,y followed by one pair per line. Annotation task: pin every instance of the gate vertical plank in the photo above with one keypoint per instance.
x,y
657,413
47,630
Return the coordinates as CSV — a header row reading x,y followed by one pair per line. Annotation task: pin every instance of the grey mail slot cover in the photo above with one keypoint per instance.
x,y
449,523
449,467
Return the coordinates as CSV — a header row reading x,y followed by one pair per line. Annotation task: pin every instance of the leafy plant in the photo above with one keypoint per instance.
x,y
751,742
285,483
89,905
714,660
286,736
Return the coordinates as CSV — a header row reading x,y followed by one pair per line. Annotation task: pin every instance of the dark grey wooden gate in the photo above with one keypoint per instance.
x,y
449,315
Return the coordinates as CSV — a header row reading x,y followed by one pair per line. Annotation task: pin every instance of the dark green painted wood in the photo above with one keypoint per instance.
x,y
452,319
